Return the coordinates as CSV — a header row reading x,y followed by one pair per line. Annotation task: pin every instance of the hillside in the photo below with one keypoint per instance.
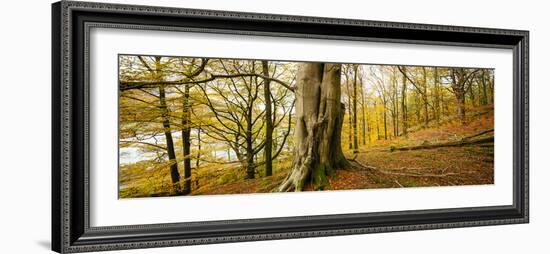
x,y
381,165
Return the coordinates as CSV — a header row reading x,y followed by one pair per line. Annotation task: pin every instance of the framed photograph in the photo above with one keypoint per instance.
x,y
181,126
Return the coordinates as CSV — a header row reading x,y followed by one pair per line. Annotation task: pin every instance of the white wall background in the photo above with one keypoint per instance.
x,y
25,125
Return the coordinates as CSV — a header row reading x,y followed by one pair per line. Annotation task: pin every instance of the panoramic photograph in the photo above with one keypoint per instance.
x,y
208,126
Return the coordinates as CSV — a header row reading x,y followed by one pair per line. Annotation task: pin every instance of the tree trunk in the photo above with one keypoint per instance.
x,y
491,85
363,115
368,124
377,122
484,87
198,159
437,99
186,137
249,147
461,110
472,95
350,115
395,106
268,122
458,85
175,175
354,101
417,107
426,112
317,134
396,112
228,153
385,121
404,105
425,98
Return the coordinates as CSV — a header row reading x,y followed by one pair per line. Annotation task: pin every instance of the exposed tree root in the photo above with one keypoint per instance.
x,y
296,180
361,165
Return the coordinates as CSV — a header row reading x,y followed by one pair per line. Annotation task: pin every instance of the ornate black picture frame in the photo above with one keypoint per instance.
x,y
71,230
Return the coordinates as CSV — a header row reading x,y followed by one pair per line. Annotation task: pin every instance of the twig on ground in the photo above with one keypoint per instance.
x,y
397,182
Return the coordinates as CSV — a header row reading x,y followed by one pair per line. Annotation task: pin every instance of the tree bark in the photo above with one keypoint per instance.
x,y
417,107
461,109
363,115
198,159
354,105
422,91
396,109
385,120
484,87
377,122
404,105
425,98
459,78
350,114
317,134
437,95
228,153
175,175
186,138
395,104
491,86
268,121
249,146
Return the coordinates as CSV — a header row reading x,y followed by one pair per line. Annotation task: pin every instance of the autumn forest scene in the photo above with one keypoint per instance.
x,y
205,126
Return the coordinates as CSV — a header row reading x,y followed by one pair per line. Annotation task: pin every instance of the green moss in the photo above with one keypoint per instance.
x,y
341,162
319,176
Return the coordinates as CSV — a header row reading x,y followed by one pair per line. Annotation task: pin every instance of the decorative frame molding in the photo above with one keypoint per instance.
x,y
71,22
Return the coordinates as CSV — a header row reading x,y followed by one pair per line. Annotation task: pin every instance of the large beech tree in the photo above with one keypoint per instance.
x,y
317,135
174,110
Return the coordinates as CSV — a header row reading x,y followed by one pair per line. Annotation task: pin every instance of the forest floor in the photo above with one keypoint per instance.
x,y
381,165
378,164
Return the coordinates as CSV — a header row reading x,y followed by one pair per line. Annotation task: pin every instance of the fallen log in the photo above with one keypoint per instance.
x,y
478,134
448,144
416,174
411,174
